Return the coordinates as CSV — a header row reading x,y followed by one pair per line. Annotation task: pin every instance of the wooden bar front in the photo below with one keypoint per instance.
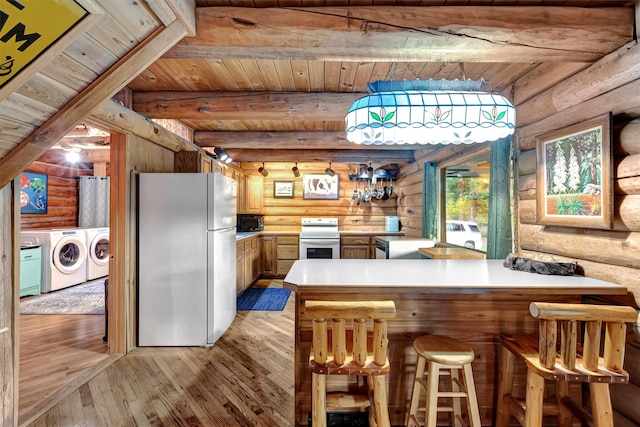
x,y
470,300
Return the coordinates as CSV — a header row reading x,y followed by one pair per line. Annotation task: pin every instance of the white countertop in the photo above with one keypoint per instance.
x,y
438,276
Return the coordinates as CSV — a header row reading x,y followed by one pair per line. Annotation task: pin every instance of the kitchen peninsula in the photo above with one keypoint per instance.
x,y
470,300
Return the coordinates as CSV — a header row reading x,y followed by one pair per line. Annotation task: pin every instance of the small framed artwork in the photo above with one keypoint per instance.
x,y
321,187
283,189
574,175
33,193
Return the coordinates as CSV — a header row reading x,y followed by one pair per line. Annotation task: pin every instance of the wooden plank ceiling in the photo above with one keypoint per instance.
x,y
271,80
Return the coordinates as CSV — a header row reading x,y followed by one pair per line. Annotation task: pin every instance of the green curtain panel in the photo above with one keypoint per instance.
x,y
429,201
499,234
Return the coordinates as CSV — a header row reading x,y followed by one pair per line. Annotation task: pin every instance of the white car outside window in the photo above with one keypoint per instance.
x,y
464,233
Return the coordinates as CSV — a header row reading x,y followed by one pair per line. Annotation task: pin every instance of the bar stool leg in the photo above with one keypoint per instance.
x,y
534,400
565,419
319,400
433,378
601,405
472,398
456,415
380,403
415,394
505,386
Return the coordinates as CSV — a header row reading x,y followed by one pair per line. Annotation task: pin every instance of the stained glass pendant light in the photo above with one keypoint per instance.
x,y
429,112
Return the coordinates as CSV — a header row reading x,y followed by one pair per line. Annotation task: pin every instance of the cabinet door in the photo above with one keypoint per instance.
x,y
241,192
258,257
248,270
255,193
205,164
269,255
255,263
355,252
239,273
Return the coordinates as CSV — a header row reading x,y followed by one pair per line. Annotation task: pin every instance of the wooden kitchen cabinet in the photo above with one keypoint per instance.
x,y
355,247
256,258
248,263
192,161
287,252
269,256
279,252
254,194
240,267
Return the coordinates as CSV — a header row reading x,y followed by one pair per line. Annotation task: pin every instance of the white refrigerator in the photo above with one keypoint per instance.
x,y
186,258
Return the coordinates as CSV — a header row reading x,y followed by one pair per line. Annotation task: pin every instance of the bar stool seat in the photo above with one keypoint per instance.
x,y
589,362
445,356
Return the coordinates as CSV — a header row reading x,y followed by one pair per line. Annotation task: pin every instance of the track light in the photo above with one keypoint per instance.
x,y
295,170
262,170
329,171
222,155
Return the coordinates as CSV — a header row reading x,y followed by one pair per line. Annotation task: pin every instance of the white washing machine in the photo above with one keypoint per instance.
x,y
97,252
64,256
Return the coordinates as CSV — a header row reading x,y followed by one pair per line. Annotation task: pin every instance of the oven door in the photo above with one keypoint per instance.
x,y
319,248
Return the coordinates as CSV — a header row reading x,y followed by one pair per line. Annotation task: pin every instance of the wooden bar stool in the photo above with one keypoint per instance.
x,y
573,363
445,356
333,354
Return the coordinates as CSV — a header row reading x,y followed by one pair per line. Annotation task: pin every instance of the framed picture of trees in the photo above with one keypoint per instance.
x,y
574,175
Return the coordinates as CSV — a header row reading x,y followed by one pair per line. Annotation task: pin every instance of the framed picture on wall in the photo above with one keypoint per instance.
x,y
321,187
574,175
283,189
33,193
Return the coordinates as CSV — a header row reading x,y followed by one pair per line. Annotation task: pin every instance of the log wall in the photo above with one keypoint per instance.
x,y
285,213
62,195
610,85
613,254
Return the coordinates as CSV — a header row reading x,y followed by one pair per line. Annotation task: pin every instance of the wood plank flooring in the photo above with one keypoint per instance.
x,y
245,379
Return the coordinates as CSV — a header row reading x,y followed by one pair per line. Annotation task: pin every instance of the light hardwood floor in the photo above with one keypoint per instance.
x,y
245,379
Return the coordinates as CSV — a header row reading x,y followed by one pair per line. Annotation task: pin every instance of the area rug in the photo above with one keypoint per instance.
x,y
267,299
86,298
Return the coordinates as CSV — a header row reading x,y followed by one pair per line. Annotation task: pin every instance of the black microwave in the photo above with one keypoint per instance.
x,y
249,222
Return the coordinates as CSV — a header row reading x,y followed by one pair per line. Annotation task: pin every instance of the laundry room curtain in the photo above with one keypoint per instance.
x,y
94,201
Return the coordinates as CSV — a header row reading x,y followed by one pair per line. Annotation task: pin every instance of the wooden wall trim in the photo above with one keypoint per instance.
x,y
170,10
9,291
119,321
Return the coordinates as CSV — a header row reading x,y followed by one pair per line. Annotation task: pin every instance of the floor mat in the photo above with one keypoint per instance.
x,y
86,298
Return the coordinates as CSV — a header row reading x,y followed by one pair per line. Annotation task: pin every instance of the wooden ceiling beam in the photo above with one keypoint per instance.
x,y
335,156
421,33
335,140
82,104
199,105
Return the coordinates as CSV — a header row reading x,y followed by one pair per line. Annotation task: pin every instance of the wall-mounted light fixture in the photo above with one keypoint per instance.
x,y
262,170
295,170
222,155
73,156
329,171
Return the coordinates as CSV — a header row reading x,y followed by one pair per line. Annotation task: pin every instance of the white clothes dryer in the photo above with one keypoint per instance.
x,y
64,256
97,252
